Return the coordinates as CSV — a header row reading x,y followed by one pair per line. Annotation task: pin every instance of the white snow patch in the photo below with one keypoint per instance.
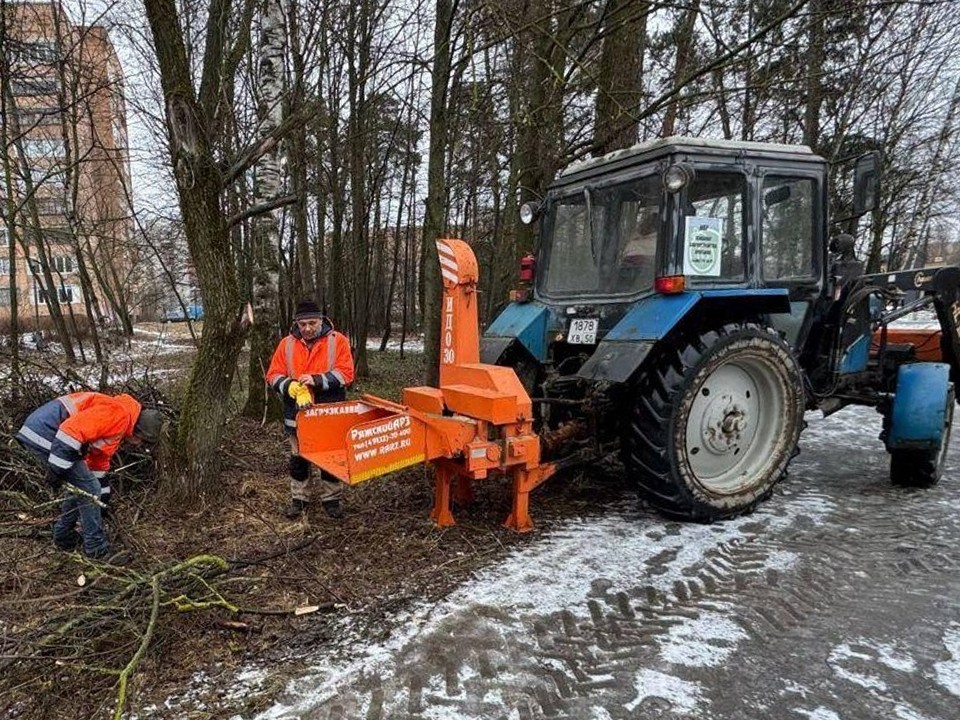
x,y
844,652
684,696
412,345
908,713
893,657
948,671
821,713
705,641
789,686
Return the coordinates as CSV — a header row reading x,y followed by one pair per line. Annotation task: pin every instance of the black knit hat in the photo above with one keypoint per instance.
x,y
307,310
149,425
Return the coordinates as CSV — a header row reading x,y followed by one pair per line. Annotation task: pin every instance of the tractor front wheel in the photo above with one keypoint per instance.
x,y
715,422
923,468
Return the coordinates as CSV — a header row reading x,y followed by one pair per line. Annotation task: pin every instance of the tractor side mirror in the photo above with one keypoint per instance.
x,y
866,183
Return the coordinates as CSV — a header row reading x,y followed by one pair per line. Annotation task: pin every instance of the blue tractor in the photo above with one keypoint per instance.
x,y
689,305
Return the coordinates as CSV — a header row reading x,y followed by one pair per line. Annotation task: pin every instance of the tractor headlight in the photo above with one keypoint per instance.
x,y
529,212
677,176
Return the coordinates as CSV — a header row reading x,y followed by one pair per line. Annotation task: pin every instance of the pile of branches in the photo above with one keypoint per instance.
x,y
102,630
21,478
95,634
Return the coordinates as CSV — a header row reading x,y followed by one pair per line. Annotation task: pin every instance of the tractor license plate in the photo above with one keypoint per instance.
x,y
583,331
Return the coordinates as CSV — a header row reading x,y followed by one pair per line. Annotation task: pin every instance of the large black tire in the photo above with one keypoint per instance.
x,y
923,468
714,422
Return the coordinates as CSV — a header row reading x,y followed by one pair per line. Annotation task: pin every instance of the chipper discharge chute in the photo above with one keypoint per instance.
x,y
479,421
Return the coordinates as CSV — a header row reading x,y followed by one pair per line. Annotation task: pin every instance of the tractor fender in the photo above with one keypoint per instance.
x,y
622,351
918,415
525,323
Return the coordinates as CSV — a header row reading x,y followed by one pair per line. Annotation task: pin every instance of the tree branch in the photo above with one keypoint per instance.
x,y
262,208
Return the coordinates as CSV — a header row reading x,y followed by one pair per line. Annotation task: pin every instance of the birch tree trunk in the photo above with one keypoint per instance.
x,y
266,188
8,211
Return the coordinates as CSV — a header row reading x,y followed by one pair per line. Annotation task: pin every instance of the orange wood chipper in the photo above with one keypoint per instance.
x,y
479,421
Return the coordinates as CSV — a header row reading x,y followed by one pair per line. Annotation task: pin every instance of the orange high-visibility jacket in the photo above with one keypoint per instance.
x,y
86,426
328,360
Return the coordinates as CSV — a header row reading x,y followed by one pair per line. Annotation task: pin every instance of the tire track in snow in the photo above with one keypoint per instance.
x,y
626,615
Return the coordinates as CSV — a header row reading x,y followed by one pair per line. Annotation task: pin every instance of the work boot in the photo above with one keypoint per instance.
x,y
69,543
295,509
333,509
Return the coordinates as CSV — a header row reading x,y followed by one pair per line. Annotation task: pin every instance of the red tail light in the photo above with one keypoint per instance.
x,y
670,284
528,264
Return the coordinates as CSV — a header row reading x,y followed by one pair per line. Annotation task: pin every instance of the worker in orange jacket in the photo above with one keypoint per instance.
x,y
75,437
313,364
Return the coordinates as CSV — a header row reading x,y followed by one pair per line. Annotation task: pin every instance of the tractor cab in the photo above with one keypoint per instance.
x,y
734,228
717,213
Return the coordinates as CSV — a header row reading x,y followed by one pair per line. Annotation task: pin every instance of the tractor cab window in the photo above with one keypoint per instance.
x,y
713,226
571,263
787,228
636,232
603,240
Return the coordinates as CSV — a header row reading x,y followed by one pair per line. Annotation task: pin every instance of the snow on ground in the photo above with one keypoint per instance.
x,y
682,695
413,345
136,357
821,713
948,671
560,573
842,653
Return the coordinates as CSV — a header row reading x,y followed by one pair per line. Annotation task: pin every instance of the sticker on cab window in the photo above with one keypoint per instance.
x,y
703,239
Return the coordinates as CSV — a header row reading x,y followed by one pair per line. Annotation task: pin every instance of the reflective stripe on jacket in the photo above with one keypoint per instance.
x,y
85,425
328,360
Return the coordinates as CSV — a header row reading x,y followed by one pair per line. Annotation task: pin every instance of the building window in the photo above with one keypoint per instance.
x,y
66,294
4,266
51,206
42,51
34,52
38,117
43,148
25,87
63,264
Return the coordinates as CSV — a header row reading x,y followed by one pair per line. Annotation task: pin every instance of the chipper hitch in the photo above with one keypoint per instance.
x,y
478,422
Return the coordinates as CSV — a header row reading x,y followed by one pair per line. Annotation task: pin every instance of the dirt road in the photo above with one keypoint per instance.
x,y
836,599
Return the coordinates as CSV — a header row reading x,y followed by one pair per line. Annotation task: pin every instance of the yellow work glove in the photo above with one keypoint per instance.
x,y
300,393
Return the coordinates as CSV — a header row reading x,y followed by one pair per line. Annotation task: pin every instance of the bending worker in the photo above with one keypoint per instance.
x,y
312,364
75,436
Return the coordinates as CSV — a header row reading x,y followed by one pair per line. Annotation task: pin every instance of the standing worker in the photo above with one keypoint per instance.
x,y
313,364
74,437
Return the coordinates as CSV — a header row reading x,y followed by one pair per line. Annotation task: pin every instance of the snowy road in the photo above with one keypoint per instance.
x,y
836,599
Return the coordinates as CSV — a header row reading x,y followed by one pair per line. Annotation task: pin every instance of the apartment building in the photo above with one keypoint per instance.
x,y
66,141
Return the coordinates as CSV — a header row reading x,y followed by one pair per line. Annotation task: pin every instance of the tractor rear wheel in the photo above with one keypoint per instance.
x,y
715,422
923,468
